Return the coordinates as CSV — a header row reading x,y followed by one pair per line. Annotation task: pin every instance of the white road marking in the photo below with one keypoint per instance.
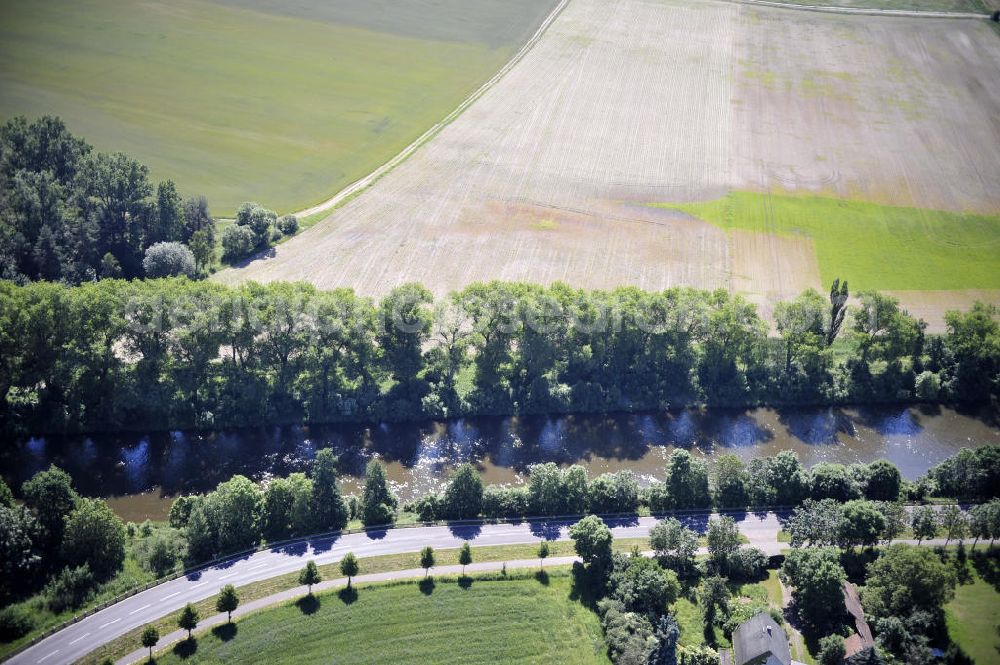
x,y
198,585
139,610
51,654
80,638
176,593
105,625
259,565
227,576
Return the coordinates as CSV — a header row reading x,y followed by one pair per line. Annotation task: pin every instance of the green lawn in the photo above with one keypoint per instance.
x,y
872,246
974,616
283,103
490,621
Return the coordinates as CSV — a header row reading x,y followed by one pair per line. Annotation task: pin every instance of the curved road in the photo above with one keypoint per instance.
x,y
79,639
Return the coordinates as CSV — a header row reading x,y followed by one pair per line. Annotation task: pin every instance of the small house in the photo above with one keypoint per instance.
x,y
761,641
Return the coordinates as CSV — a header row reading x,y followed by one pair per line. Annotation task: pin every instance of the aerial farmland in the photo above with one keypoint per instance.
x,y
254,99
710,144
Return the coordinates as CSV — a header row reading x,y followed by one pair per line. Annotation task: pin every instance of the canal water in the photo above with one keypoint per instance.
x,y
140,473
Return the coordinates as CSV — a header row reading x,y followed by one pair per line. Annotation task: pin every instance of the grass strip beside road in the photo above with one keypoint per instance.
x,y
479,619
128,642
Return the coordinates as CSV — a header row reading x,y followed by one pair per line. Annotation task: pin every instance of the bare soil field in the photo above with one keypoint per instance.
x,y
624,103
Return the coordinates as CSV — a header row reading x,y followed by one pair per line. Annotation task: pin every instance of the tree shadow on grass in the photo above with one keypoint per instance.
x,y
988,567
186,648
465,581
225,632
427,586
588,585
542,577
348,595
309,604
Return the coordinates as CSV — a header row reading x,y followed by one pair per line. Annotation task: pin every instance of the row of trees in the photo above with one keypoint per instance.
x,y
239,513
71,215
55,534
174,353
866,523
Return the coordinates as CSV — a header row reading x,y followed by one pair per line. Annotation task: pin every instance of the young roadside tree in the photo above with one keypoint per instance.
x,y
188,619
981,519
543,553
954,523
150,636
227,601
377,500
310,575
427,560
465,556
924,523
349,567
592,541
894,514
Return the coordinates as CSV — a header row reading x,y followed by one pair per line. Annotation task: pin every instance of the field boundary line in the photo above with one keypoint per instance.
x,y
866,11
360,185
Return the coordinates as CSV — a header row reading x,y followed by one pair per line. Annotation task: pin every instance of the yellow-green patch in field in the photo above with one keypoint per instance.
x,y
873,246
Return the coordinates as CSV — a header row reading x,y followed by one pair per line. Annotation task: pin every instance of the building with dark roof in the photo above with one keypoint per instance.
x,y
761,641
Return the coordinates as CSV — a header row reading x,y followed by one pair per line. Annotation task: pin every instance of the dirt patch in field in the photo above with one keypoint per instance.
x,y
623,103
900,111
931,305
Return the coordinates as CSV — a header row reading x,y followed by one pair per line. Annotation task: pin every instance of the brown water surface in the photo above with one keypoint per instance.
x,y
139,474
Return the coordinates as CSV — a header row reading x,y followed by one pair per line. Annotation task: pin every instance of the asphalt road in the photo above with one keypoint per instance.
x,y
79,639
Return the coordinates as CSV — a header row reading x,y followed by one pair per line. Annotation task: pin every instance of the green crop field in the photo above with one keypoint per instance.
x,y
283,103
490,621
873,246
